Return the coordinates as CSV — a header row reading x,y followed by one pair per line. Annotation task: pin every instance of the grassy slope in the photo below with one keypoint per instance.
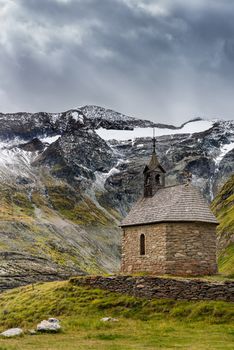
x,y
223,207
158,324
42,235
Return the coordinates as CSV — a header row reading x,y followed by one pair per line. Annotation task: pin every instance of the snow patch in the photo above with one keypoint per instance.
x,y
15,161
78,117
113,171
223,151
96,112
84,167
50,139
101,177
55,117
190,128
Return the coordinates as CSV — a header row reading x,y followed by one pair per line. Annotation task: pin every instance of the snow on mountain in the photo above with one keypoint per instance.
x,y
223,151
15,162
50,139
106,118
77,116
96,112
189,128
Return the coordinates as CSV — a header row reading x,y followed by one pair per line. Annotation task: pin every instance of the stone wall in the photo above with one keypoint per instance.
x,y
161,288
181,249
155,249
191,249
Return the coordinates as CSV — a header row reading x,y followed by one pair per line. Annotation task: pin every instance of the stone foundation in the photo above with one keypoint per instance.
x,y
181,249
161,288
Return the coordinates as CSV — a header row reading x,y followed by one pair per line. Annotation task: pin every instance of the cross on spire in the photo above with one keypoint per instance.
x,y
154,141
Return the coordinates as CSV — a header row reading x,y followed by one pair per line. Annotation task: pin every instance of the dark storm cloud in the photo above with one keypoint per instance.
x,y
166,60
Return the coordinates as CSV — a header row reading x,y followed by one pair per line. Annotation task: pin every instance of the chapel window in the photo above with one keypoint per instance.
x,y
142,244
148,180
157,179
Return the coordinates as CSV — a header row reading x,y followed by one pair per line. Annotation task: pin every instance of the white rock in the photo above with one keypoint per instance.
x,y
109,319
53,320
13,332
50,325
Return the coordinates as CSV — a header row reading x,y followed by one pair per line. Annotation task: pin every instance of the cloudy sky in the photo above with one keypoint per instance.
x,y
166,60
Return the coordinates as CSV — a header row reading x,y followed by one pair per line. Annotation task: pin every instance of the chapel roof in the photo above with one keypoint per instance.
x,y
180,203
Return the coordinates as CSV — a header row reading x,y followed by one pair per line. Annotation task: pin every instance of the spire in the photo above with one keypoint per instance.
x,y
154,162
154,141
154,174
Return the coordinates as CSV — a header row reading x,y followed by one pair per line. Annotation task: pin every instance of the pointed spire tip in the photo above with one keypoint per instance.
x,y
154,141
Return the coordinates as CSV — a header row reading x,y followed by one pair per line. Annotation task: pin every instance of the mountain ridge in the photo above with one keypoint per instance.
x,y
58,122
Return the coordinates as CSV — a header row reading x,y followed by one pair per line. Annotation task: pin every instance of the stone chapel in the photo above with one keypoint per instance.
x,y
170,230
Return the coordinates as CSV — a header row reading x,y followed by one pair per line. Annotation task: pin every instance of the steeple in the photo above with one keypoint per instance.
x,y
154,174
154,141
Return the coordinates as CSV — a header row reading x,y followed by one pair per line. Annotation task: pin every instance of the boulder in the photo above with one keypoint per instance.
x,y
12,332
50,325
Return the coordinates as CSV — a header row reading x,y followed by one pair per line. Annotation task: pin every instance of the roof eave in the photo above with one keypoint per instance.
x,y
169,222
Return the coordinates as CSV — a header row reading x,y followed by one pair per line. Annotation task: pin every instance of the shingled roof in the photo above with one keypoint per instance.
x,y
171,204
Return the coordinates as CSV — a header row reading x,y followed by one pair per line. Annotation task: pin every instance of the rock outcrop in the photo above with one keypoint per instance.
x,y
50,325
12,332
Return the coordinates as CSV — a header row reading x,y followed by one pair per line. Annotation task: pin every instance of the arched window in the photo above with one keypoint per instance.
x,y
148,180
157,179
142,244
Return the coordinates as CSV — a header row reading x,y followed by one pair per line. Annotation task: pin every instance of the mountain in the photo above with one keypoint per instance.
x,y
67,179
223,207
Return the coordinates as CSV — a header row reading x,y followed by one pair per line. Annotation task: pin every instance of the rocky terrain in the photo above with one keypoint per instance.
x,y
64,185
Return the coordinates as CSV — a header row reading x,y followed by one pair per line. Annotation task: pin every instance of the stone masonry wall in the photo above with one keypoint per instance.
x,y
161,288
181,249
191,249
155,249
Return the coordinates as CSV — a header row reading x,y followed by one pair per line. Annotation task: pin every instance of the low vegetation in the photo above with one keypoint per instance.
x,y
226,261
75,207
142,324
223,207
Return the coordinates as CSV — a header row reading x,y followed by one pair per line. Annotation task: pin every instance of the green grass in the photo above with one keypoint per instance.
x,y
79,209
86,213
143,324
223,207
14,204
226,261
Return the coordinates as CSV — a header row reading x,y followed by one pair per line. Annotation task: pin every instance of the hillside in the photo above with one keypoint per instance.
x,y
65,184
223,207
163,324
